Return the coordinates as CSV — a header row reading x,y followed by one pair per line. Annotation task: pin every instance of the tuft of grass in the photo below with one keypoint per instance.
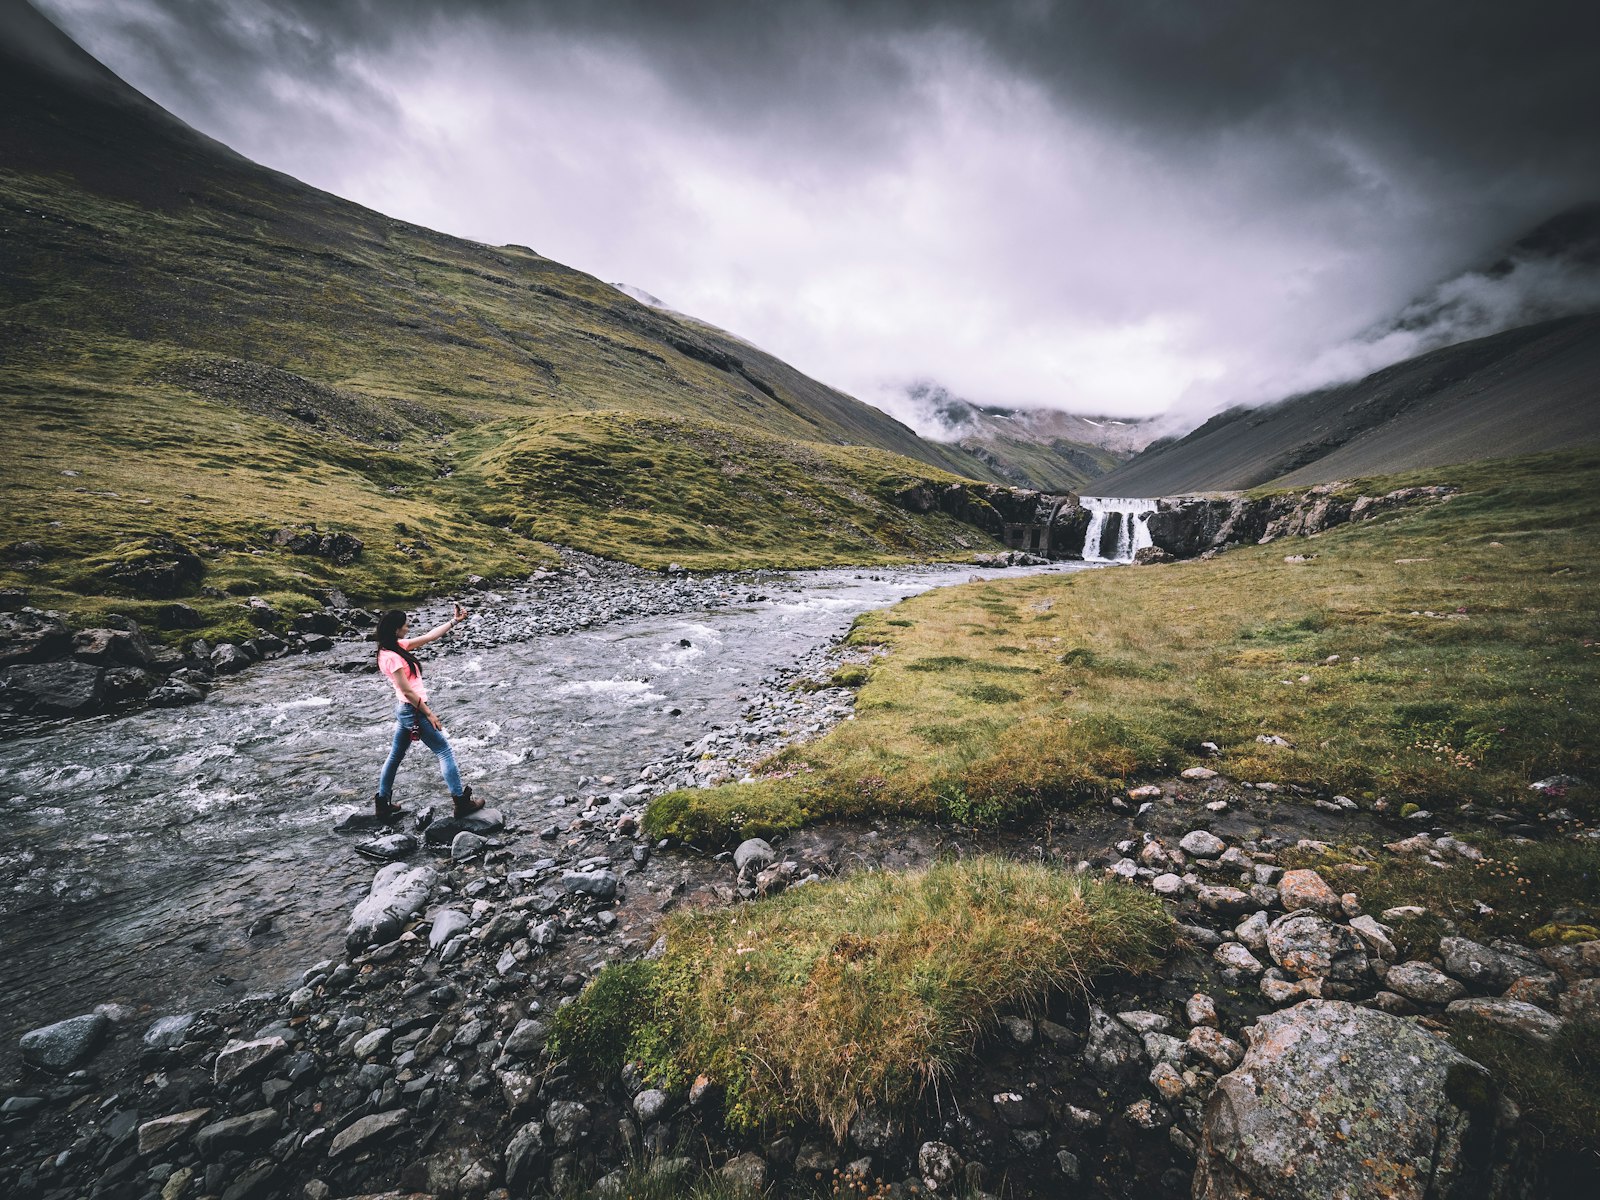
x,y
1556,1085
864,991
1527,886
1126,671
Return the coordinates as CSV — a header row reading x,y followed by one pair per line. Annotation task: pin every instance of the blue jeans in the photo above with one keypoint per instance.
x,y
408,718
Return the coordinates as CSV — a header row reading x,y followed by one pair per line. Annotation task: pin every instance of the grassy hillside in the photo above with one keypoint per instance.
x,y
1524,391
196,347
1435,656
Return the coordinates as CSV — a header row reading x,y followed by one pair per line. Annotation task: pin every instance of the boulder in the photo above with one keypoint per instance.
x,y
366,1131
1521,1018
1200,843
167,1032
1334,1101
237,1059
1308,945
53,689
523,1154
32,635
1111,1050
64,1045
236,1133
752,855
447,923
1303,889
1480,967
155,1136
398,892
1423,982
602,885
157,568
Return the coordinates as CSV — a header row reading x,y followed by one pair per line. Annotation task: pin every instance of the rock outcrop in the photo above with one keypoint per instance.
x,y
1333,1100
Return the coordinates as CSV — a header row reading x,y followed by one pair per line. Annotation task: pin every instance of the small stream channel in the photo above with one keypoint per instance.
x,y
146,853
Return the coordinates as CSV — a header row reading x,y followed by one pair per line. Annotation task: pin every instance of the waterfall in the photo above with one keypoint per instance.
x,y
1117,529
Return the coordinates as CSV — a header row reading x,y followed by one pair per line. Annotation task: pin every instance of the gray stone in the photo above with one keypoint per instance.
x,y
1518,1016
165,1033
467,844
237,1133
64,1045
57,689
1252,931
1423,983
1335,1101
397,894
1478,966
372,1043
527,1039
447,923
523,1153
602,885
366,1131
565,1121
1200,843
1304,889
938,1163
235,1059
155,1136
752,855
1214,1048
650,1104
505,927
1226,901
1019,1029
1111,1051
1167,884
746,1173
1238,956
1379,938
1307,945
1201,1010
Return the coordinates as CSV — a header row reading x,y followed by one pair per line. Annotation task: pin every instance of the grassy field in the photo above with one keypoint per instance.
x,y
196,348
860,992
1435,656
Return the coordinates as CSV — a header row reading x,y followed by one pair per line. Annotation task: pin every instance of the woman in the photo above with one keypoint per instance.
x,y
414,719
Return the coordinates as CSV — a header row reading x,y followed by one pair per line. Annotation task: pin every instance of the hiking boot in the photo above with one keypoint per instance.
x,y
465,804
385,811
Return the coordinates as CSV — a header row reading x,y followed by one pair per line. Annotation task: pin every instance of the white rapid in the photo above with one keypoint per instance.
x,y
1117,528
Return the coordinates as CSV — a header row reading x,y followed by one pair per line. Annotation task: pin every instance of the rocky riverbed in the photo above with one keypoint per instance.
x,y
410,1058
414,1062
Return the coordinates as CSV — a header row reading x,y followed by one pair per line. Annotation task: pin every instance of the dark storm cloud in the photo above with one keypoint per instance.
x,y
1100,205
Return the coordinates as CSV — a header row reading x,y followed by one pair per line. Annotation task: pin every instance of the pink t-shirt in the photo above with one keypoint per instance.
x,y
396,668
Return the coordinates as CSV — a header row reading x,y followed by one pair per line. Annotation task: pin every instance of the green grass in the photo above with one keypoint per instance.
x,y
255,355
1555,1084
1532,889
1108,675
865,991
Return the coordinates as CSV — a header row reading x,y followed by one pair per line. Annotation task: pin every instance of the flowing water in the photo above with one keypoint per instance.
x,y
1117,529
142,849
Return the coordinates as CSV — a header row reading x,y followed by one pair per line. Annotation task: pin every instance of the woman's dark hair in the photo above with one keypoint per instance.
x,y
389,638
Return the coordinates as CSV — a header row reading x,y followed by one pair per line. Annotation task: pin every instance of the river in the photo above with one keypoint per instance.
x,y
173,859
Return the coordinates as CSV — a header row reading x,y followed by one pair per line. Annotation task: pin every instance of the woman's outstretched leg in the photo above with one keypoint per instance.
x,y
381,803
434,740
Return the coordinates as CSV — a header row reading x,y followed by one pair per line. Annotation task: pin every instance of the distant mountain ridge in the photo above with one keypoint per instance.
x,y
1526,381
1041,448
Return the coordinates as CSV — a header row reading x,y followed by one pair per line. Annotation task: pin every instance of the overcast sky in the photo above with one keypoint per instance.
x,y
1106,206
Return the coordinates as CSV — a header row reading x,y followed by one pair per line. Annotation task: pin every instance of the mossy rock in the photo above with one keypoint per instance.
x,y
155,568
1557,934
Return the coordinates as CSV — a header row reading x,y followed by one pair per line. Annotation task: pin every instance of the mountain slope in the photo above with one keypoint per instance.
x,y
1523,391
1043,448
198,347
